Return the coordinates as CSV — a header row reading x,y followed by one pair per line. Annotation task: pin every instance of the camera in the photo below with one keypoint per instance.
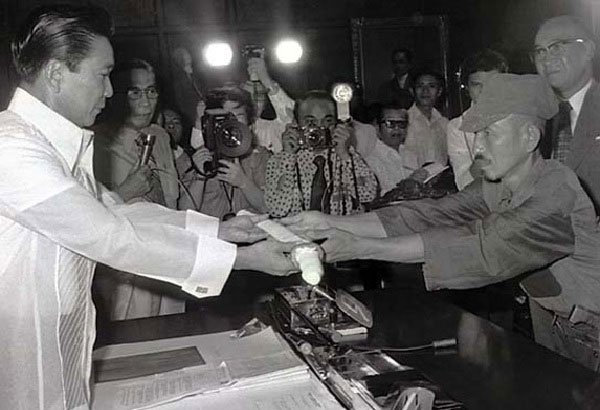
x,y
224,136
314,138
253,51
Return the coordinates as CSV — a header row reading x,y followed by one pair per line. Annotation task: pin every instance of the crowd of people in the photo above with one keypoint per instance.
x,y
525,157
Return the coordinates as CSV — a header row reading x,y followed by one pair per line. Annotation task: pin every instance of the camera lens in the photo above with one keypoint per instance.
x,y
232,136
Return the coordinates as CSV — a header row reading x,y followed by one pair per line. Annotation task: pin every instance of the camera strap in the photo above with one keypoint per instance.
x,y
228,195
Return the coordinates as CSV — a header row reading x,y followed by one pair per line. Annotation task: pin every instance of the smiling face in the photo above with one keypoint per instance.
x,y
427,91
569,67
83,92
393,127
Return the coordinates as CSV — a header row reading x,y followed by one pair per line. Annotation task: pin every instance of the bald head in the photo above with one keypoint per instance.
x,y
564,50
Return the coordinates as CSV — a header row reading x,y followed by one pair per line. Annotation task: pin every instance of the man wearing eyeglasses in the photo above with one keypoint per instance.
x,y
384,151
563,54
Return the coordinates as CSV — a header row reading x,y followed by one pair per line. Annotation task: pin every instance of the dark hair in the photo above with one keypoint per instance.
x,y
117,108
121,75
484,60
319,95
61,32
427,71
217,97
406,51
390,106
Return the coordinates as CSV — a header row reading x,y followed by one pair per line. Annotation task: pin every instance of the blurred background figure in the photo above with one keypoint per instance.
x,y
399,88
186,87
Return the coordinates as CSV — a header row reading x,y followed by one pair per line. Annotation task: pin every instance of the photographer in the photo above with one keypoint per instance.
x,y
318,168
222,186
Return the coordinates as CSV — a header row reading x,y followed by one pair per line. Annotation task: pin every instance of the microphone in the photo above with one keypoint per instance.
x,y
147,142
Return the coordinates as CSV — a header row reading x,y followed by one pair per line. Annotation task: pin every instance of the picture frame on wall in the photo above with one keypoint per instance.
x,y
374,39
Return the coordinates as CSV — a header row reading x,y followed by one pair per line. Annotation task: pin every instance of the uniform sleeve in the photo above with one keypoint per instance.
x,y
502,245
282,196
454,210
144,239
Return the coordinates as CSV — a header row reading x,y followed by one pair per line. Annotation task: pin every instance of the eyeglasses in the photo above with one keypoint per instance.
x,y
136,93
394,123
556,49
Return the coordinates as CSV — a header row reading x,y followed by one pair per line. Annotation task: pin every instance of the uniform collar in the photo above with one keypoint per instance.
x,y
498,193
67,138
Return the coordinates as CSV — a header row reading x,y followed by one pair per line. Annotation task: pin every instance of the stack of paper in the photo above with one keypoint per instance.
x,y
147,374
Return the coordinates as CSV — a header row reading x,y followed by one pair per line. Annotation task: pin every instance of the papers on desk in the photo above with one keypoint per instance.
x,y
147,374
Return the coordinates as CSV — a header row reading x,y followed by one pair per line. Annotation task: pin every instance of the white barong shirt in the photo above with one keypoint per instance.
x,y
55,222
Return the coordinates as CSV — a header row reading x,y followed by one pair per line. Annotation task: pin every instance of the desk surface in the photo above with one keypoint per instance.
x,y
492,369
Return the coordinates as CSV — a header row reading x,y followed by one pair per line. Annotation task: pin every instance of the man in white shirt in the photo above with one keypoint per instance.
x,y
384,151
475,70
426,126
56,221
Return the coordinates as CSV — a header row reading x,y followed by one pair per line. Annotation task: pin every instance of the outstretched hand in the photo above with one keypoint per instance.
x,y
242,229
306,220
268,256
338,246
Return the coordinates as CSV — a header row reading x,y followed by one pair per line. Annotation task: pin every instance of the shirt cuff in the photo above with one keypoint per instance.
x,y
214,257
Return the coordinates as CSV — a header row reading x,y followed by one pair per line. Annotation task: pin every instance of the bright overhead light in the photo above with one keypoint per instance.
x,y
218,54
288,51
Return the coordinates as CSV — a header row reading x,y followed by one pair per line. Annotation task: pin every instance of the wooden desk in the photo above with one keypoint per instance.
x,y
491,369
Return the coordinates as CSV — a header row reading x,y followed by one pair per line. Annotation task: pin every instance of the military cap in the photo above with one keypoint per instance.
x,y
505,94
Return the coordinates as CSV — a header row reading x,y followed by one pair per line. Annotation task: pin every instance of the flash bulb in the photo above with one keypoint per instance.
x,y
342,93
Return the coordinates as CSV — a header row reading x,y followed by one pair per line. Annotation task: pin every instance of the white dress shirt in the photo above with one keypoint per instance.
x,y
427,137
55,222
460,152
388,165
576,102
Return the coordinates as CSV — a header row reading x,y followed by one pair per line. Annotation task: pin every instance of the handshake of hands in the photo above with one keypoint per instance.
x,y
271,256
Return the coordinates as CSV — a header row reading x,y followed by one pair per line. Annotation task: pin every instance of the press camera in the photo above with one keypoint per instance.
x,y
253,51
314,138
224,136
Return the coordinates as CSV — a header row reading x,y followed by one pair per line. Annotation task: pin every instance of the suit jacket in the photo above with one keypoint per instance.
x,y
584,157
390,91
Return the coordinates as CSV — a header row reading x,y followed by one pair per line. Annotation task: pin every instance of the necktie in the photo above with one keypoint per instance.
x,y
562,145
319,184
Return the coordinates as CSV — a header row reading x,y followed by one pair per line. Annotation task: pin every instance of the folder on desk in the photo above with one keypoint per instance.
x,y
146,374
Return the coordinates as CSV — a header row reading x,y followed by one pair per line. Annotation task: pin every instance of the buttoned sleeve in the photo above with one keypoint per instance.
x,y
37,192
282,104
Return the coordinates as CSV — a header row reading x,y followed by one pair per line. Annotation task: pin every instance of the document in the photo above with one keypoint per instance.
x,y
146,374
307,393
